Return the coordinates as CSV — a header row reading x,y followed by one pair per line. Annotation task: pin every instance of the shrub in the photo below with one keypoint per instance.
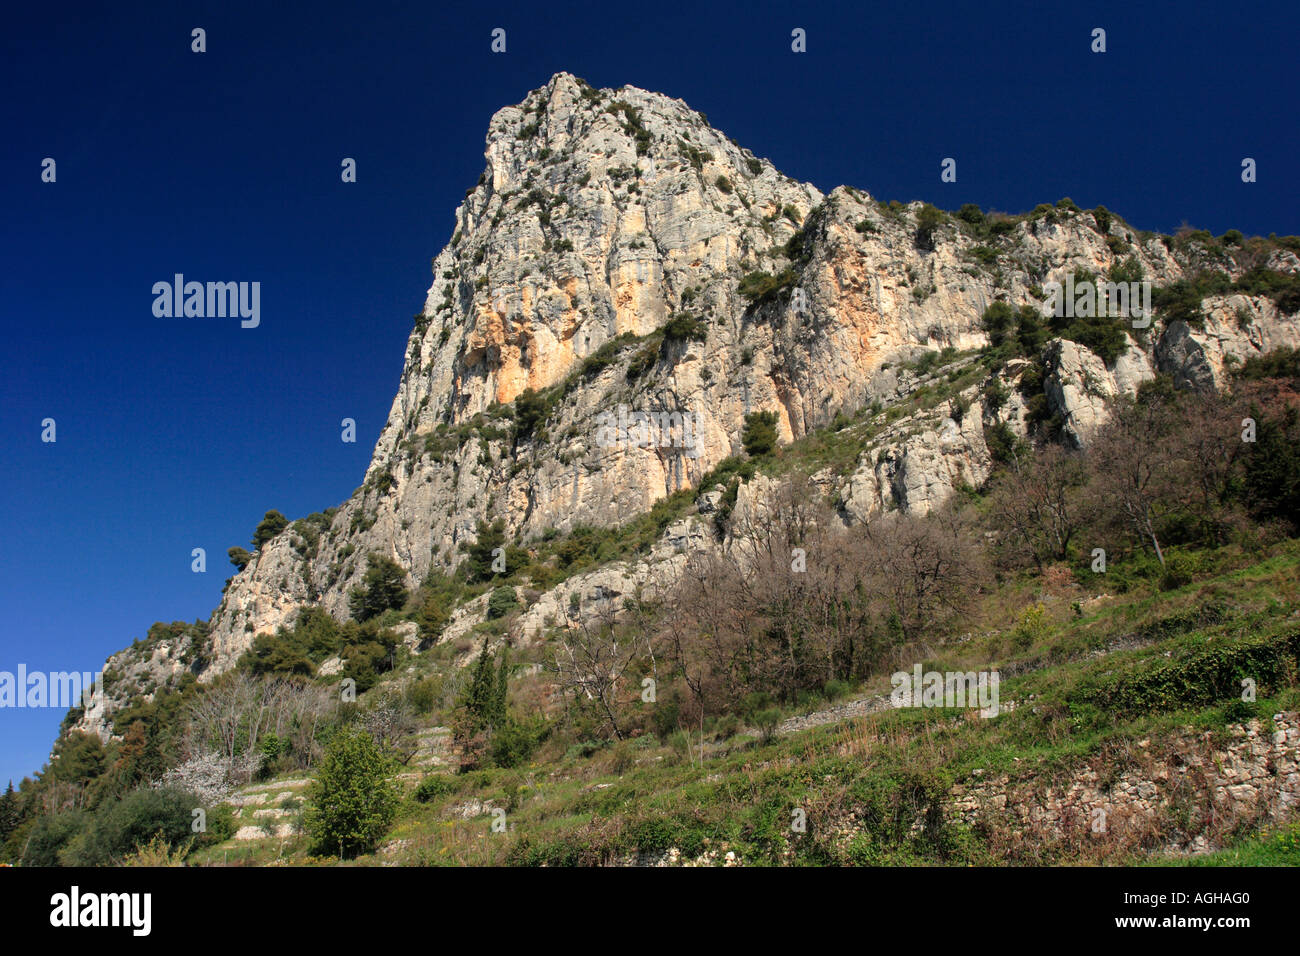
x,y
501,603
759,435
767,721
383,588
724,184
530,411
516,740
354,798
759,287
684,327
131,823
272,523
239,558
433,786
927,221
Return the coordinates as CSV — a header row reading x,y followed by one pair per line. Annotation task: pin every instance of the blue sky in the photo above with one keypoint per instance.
x,y
179,433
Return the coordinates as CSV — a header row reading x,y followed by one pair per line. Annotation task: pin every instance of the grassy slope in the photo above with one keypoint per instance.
x,y
881,771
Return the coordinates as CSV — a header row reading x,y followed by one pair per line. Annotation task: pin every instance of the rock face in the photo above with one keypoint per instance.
x,y
605,260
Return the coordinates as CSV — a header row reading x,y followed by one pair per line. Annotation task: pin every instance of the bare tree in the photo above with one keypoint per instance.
x,y
924,570
594,651
1038,504
1137,469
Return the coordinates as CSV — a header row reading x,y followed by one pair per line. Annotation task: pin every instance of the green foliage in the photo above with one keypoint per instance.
x,y
971,213
488,538
272,523
724,184
928,220
484,701
501,603
51,834
767,721
683,327
1272,485
1002,443
383,587
530,411
761,287
759,435
1199,678
1102,216
632,124
122,827
354,798
239,558
755,166
516,740
433,787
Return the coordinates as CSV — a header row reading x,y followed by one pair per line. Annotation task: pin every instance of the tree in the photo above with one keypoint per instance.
x,y
384,587
484,702
530,411
10,812
239,558
272,523
122,827
1137,470
924,570
354,798
759,434
927,221
483,552
502,602
1038,504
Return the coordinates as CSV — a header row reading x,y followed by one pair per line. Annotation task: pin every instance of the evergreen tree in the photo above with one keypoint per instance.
x,y
10,814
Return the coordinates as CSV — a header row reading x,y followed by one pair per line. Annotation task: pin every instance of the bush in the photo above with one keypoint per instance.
x,y
683,327
239,558
272,523
530,411
51,834
383,589
501,603
516,740
760,287
767,721
132,822
433,786
759,435
354,798
724,184
927,222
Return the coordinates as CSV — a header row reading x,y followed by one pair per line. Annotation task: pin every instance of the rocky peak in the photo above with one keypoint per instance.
x,y
619,255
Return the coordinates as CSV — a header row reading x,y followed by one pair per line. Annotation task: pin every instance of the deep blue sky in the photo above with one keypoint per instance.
x,y
180,433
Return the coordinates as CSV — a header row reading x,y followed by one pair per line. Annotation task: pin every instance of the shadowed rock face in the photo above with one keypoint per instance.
x,y
603,216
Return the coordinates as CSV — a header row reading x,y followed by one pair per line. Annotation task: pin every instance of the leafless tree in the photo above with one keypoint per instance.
x,y
1038,504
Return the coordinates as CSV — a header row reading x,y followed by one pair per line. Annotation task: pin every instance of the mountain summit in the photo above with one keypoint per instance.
x,y
619,260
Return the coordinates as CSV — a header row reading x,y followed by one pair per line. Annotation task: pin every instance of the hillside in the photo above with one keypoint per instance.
x,y
687,462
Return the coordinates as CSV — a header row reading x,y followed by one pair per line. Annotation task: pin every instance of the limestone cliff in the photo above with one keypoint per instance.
x,y
618,251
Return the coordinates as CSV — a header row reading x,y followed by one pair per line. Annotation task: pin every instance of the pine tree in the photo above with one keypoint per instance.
x,y
9,812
